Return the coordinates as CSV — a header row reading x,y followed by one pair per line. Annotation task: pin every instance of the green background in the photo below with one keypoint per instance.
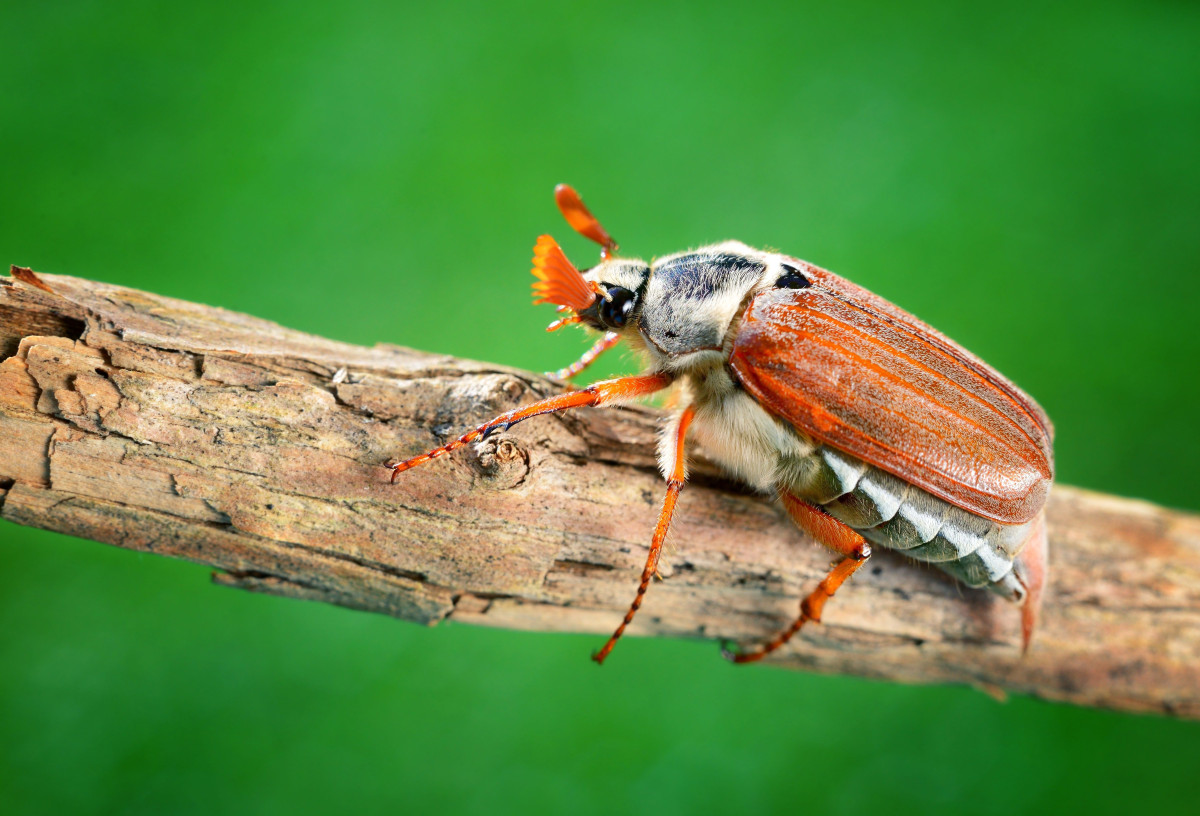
x,y
1026,180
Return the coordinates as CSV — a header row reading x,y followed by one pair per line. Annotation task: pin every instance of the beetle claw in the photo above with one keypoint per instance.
x,y
730,650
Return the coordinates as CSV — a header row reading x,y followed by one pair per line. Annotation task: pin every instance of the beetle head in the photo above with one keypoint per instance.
x,y
604,297
679,309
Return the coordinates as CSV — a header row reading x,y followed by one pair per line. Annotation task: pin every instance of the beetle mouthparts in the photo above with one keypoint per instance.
x,y
558,281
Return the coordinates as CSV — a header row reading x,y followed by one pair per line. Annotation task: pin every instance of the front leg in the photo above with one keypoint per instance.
x,y
605,392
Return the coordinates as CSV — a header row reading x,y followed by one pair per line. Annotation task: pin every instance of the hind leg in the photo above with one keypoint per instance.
x,y
599,347
833,534
1030,570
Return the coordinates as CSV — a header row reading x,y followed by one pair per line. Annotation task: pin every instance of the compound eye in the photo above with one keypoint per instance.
x,y
614,313
792,278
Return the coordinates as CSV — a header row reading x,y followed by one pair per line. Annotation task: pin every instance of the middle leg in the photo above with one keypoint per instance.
x,y
675,479
599,347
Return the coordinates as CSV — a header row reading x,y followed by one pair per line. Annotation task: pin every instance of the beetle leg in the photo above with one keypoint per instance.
x,y
604,392
833,534
1030,568
675,482
602,345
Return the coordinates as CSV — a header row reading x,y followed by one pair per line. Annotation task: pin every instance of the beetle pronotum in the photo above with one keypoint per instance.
x,y
870,426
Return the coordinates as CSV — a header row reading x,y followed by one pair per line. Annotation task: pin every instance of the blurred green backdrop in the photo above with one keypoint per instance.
x,y
1025,179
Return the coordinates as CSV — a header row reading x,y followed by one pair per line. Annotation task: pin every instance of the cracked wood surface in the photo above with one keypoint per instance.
x,y
189,431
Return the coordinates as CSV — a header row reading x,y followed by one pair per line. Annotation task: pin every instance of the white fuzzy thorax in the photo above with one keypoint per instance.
x,y
732,428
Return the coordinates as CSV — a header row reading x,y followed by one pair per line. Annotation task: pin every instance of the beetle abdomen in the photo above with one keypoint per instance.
x,y
892,513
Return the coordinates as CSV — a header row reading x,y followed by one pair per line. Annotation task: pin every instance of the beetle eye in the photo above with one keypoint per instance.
x,y
614,313
792,278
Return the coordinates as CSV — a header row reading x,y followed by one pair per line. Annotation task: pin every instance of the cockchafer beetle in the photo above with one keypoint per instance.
x,y
871,427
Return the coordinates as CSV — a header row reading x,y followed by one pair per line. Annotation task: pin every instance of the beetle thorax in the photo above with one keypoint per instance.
x,y
688,302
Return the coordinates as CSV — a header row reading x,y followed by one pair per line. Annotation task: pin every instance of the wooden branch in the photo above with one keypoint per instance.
x,y
193,432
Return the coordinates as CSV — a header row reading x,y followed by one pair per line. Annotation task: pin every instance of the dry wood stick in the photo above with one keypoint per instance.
x,y
189,431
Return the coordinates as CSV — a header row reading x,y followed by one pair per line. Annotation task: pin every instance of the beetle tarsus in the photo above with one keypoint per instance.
x,y
660,535
674,486
731,650
833,534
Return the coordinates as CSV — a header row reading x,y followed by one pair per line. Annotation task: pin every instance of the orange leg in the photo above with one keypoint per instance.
x,y
601,393
674,485
1031,572
602,345
833,534
564,321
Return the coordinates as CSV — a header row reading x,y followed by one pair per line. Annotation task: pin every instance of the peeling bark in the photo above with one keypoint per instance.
x,y
193,432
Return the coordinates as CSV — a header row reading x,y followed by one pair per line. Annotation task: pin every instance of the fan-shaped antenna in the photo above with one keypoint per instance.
x,y
582,220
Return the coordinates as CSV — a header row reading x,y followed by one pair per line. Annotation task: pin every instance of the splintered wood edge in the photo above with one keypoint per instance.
x,y
194,432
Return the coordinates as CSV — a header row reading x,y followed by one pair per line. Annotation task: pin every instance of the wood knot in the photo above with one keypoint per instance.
x,y
502,462
514,388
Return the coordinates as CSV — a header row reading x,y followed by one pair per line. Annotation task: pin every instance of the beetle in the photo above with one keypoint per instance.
x,y
871,427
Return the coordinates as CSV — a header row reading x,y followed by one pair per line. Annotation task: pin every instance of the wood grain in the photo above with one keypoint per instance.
x,y
194,432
